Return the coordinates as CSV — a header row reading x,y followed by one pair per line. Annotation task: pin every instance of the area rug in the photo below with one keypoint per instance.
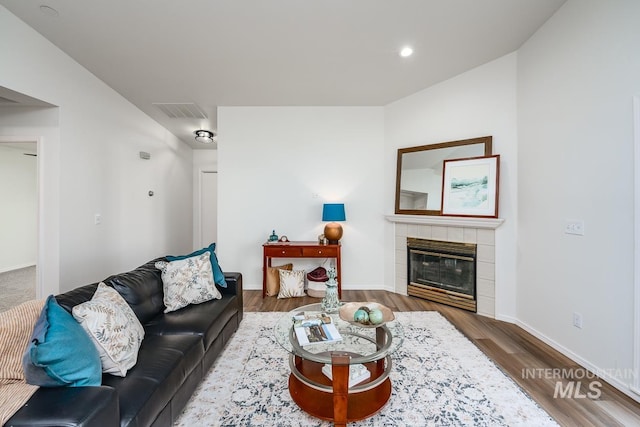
x,y
439,378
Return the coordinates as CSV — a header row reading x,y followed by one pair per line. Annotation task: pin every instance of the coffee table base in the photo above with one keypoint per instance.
x,y
320,404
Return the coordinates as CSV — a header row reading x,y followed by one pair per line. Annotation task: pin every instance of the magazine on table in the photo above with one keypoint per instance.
x,y
315,328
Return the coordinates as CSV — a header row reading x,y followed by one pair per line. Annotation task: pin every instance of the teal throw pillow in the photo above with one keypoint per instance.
x,y
60,352
218,275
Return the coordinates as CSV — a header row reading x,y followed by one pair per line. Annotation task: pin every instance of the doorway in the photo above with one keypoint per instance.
x,y
18,221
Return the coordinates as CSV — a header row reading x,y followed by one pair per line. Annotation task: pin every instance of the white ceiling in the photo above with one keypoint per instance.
x,y
278,52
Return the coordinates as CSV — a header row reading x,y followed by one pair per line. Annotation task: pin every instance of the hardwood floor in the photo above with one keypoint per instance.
x,y
520,355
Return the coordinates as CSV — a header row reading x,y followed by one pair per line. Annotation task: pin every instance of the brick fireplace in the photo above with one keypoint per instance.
x,y
478,231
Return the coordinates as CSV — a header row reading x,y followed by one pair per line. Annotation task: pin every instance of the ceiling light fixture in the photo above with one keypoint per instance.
x,y
406,51
204,136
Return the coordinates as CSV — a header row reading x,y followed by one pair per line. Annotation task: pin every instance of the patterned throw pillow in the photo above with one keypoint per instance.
x,y
218,275
187,281
113,327
273,278
291,283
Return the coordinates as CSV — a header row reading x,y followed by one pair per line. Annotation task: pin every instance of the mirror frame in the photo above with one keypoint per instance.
x,y
486,140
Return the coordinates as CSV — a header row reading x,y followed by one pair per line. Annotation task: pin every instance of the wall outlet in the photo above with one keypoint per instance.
x,y
574,227
97,219
577,320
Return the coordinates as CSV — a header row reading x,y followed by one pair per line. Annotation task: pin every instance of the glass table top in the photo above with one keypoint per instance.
x,y
360,341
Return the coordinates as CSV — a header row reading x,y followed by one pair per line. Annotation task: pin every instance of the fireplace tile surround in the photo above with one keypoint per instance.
x,y
452,229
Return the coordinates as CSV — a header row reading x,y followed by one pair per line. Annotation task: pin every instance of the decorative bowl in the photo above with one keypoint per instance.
x,y
348,309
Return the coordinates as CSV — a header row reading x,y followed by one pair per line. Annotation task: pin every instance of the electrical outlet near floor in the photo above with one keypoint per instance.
x,y
577,320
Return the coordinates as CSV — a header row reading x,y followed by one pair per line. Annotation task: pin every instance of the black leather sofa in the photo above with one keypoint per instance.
x,y
177,351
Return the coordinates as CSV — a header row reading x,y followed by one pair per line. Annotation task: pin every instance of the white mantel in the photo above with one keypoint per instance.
x,y
480,231
447,221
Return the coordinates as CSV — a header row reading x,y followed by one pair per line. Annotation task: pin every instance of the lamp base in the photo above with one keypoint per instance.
x,y
333,232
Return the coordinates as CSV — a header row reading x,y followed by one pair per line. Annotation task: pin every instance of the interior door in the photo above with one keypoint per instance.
x,y
208,207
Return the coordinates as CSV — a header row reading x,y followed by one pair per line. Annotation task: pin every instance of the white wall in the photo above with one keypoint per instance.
x,y
480,102
273,160
94,166
18,220
576,79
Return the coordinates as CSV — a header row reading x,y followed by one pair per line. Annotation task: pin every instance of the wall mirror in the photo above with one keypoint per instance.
x,y
419,173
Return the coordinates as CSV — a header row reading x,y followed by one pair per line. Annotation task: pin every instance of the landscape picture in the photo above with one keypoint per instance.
x,y
470,186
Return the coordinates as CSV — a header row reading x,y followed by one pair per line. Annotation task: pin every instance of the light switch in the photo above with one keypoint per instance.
x,y
574,227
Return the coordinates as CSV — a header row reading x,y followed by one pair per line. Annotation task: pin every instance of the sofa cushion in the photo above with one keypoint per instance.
x,y
164,363
70,407
141,289
60,352
113,327
187,281
76,296
218,275
205,320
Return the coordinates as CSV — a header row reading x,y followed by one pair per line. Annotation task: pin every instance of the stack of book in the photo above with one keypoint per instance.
x,y
315,328
357,373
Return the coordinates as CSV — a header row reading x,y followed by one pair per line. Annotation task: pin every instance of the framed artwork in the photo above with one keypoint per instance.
x,y
470,187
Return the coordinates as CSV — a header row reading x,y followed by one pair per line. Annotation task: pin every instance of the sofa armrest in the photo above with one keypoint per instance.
x,y
234,284
234,287
69,406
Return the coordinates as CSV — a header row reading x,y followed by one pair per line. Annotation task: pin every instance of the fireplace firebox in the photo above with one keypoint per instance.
x,y
443,272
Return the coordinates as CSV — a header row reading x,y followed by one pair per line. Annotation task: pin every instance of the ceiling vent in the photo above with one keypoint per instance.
x,y
177,110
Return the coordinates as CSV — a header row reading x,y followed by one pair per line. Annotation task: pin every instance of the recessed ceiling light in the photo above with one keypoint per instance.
x,y
49,11
406,51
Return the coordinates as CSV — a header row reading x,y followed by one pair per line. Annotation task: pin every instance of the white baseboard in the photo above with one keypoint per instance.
x,y
627,389
17,267
507,319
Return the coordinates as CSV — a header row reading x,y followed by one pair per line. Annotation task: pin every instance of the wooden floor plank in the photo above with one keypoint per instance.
x,y
511,348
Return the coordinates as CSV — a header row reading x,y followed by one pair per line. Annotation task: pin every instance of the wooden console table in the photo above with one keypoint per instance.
x,y
299,250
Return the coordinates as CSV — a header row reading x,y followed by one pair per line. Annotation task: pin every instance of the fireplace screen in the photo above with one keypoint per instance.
x,y
446,270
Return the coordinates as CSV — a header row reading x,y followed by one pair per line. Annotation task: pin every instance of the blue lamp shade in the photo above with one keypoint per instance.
x,y
333,212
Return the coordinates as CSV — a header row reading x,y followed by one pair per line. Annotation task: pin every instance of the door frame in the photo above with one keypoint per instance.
x,y
635,387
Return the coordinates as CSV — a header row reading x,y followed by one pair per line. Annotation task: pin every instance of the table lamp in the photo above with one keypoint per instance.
x,y
333,212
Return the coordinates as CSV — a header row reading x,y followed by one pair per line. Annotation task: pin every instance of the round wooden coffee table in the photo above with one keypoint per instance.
x,y
315,393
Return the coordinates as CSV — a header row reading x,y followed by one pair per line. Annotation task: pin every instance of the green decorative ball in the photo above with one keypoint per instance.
x,y
375,316
361,316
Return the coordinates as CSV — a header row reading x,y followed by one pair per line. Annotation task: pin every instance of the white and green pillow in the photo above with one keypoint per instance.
x,y
113,327
187,281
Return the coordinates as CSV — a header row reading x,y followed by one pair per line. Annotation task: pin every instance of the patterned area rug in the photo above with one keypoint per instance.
x,y
439,378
